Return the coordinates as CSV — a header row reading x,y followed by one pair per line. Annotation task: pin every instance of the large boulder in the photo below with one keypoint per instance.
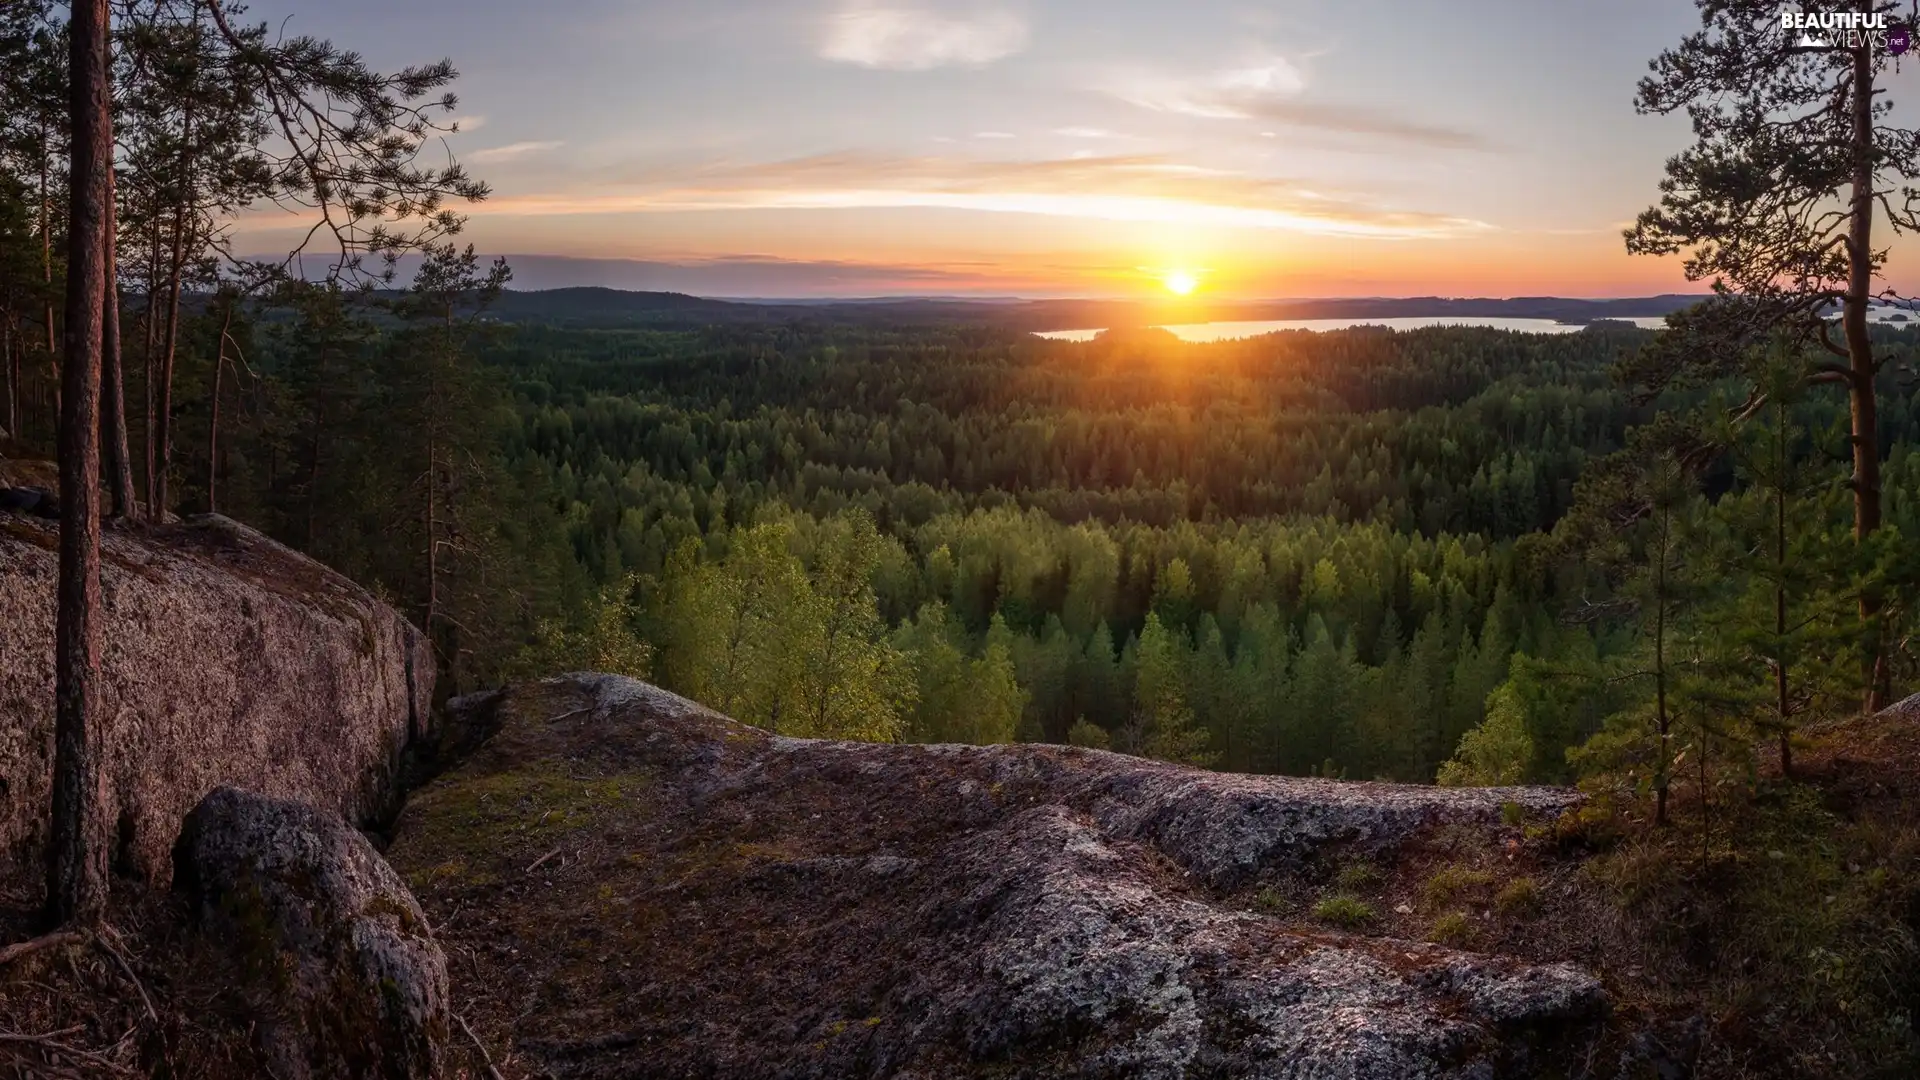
x,y
226,659
331,949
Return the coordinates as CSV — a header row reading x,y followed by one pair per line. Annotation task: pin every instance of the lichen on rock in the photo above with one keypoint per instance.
x,y
226,659
735,903
333,951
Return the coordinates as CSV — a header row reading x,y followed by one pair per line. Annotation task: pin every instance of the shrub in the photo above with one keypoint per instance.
x,y
1520,897
1355,877
1271,901
1449,882
1089,735
1453,928
1343,911
1512,812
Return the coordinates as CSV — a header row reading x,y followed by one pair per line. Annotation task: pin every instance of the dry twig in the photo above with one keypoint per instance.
x,y
486,1058
16,951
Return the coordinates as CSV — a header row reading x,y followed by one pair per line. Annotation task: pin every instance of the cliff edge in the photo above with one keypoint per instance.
x,y
630,885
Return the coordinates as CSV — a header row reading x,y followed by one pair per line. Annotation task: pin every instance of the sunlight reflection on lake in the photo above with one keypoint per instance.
x,y
1223,331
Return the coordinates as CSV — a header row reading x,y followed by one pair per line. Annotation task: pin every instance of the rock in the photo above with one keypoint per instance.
x,y
741,904
29,500
333,948
226,658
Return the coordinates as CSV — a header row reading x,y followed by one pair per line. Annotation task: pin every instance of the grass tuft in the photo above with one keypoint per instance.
x,y
1346,912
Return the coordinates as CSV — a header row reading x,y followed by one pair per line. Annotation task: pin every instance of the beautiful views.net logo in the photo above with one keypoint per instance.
x,y
1845,30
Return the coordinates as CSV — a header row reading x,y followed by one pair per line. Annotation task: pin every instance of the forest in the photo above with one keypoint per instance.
x,y
1452,554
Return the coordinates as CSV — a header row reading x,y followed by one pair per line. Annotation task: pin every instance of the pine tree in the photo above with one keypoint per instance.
x,y
76,848
1162,724
1794,161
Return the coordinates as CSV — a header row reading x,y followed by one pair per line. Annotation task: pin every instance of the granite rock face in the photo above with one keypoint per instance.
x,y
645,888
227,659
330,947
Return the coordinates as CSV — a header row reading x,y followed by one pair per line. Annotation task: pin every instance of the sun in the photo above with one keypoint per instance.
x,y
1180,282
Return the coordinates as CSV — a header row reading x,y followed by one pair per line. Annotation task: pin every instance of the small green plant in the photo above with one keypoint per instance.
x,y
1453,928
1271,901
1450,882
1346,912
1519,898
1358,877
1512,812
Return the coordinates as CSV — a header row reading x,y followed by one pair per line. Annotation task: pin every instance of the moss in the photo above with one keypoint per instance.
x,y
1344,911
1453,881
1453,928
470,823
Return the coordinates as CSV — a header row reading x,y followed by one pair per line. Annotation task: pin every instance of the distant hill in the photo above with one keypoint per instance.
x,y
584,307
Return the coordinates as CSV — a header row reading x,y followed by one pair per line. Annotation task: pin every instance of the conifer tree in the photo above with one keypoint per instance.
x,y
1796,158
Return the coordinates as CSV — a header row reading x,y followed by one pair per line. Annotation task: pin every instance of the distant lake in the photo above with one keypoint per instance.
x,y
1223,331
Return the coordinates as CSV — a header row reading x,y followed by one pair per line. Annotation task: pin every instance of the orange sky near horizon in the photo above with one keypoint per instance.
x,y
1307,148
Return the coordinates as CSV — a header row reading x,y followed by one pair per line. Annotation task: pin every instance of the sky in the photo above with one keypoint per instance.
x,y
1286,148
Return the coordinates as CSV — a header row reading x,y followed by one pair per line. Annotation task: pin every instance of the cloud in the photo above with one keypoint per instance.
x,y
915,39
464,123
1272,91
1089,133
512,150
1135,188
994,135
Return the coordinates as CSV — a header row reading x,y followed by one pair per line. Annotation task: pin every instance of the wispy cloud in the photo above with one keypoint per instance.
x,y
512,150
1136,188
904,38
463,123
1274,91
1089,133
994,135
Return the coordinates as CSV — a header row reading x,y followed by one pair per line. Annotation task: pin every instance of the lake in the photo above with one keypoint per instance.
x,y
1224,331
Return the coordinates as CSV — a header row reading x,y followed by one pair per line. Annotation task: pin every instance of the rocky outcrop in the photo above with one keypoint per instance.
x,y
640,887
333,953
228,659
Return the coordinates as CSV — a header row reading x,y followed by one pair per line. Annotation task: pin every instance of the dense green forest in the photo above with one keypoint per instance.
x,y
1454,553
1336,553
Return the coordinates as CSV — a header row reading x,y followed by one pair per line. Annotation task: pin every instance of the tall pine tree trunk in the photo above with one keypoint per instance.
x,y
76,852
163,416
1664,721
1783,700
147,354
10,358
213,424
46,263
1860,388
113,386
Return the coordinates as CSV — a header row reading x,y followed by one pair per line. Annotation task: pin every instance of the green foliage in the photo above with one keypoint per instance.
x,y
1498,751
1272,901
1163,724
1091,736
1452,882
796,649
1453,928
1346,912
602,638
1358,877
1519,898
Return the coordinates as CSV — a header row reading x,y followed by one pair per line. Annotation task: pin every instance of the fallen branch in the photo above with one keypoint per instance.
x,y
541,861
50,1041
109,946
34,945
485,1057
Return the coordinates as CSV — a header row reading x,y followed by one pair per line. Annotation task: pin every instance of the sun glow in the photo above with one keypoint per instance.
x,y
1180,282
